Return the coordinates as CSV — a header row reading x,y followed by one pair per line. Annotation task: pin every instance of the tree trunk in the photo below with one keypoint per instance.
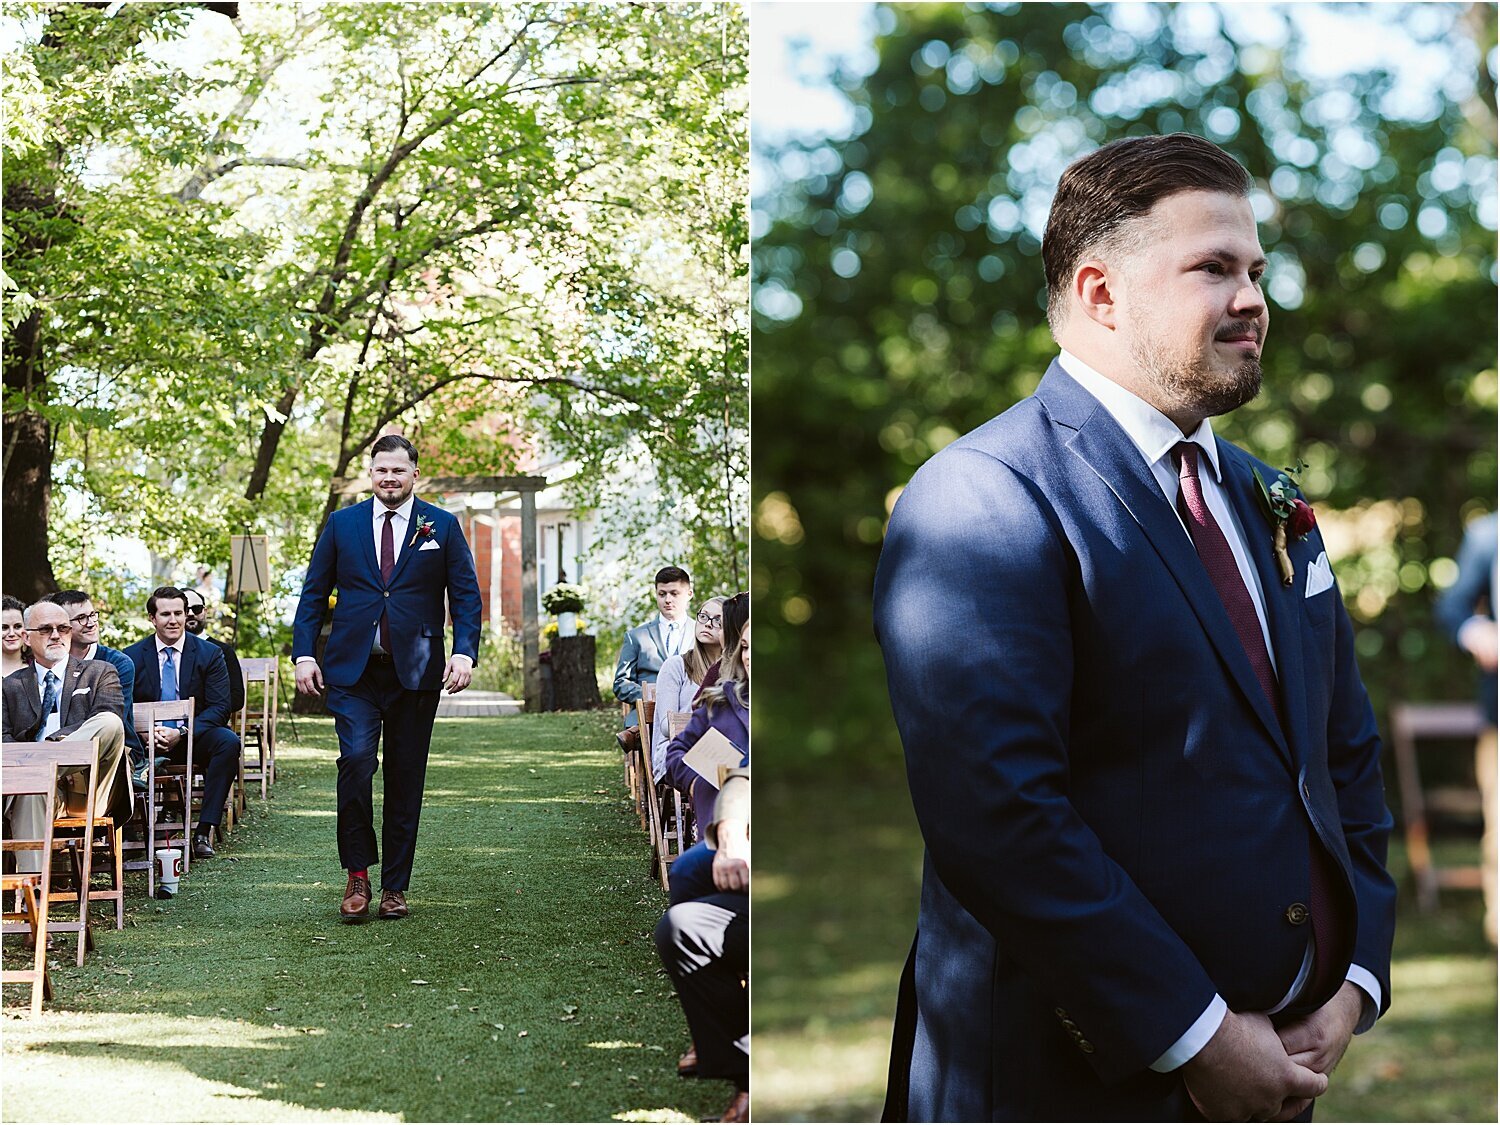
x,y
575,686
26,571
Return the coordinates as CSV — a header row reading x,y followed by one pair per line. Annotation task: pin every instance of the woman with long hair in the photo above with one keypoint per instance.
x,y
682,677
13,652
725,707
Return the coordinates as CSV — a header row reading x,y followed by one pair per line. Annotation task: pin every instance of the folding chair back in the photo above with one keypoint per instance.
x,y
257,721
78,829
31,781
176,780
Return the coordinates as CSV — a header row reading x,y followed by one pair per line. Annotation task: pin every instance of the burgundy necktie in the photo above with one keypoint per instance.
x,y
1214,551
387,564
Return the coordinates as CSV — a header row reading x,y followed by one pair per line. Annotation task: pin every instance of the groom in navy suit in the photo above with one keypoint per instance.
x,y
1144,764
392,559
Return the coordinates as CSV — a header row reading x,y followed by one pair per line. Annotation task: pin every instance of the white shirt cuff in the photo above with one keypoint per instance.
x,y
300,659
1365,981
1195,1038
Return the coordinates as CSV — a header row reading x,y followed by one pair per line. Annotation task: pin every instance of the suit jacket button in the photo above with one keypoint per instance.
x,y
387,593
1296,914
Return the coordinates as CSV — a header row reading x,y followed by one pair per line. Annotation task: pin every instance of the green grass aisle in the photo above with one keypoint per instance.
x,y
524,986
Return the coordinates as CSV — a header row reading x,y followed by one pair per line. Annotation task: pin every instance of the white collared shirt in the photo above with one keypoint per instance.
x,y
1154,435
398,525
60,670
676,636
91,653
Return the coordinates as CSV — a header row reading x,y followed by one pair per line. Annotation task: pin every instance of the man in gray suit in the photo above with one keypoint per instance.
x,y
647,646
61,697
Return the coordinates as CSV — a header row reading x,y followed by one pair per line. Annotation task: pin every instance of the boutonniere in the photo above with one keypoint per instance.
x,y
422,529
1289,514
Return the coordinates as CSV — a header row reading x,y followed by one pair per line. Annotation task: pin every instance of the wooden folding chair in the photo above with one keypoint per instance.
x,y
674,822
31,781
78,832
172,780
257,722
645,794
1412,723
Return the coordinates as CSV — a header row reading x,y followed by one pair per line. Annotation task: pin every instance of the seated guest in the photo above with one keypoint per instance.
x,y
683,676
85,621
725,707
703,941
646,647
59,697
173,664
197,619
13,652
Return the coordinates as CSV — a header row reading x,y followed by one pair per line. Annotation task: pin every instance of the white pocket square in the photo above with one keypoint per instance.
x,y
1319,575
430,545
82,690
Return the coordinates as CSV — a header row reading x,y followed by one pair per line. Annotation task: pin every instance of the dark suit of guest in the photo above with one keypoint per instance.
x,y
1121,826
236,674
397,689
202,677
731,718
126,668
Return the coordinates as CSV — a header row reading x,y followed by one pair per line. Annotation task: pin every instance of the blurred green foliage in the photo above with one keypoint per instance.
x,y
899,295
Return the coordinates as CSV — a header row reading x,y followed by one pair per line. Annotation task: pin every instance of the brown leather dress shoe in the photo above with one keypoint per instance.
x,y
739,1109
687,1065
392,904
356,899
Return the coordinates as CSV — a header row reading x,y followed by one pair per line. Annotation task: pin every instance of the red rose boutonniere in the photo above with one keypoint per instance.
x,y
1289,514
422,530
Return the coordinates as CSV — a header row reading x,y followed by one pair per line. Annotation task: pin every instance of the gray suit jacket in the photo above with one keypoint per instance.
x,y
88,687
643,654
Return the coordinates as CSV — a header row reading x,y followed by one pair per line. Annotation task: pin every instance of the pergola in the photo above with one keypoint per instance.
x,y
498,487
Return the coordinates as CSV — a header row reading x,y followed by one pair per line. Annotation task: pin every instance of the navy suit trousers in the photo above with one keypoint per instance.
x,y
216,752
705,947
376,702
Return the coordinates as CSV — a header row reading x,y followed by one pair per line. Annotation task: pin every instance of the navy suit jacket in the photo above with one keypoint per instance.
x,y
1116,823
126,668
201,677
344,558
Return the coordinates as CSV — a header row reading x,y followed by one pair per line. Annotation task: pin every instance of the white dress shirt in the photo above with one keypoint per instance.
x,y
1154,435
398,525
53,720
161,661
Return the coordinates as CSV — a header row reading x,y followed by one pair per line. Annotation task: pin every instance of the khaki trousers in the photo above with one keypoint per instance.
x,y
26,813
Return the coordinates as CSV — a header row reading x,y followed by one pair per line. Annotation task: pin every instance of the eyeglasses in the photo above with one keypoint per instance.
x,y
52,630
195,610
706,619
84,620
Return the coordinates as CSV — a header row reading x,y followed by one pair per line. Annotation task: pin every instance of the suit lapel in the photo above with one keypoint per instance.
x,y
659,635
406,547
186,666
150,674
1284,615
72,670
365,526
1109,453
31,696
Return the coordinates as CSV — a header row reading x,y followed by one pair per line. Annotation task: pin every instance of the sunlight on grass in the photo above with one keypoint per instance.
x,y
651,1115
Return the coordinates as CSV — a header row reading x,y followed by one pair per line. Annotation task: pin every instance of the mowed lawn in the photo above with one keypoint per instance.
x,y
524,986
831,937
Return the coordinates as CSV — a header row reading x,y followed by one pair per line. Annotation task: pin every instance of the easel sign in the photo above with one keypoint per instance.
x,y
249,565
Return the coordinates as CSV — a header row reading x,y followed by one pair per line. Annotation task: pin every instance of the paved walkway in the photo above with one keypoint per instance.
x,y
470,704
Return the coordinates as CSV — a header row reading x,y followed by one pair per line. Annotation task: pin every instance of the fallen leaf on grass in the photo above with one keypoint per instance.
x,y
419,982
398,1025
273,1008
522,1034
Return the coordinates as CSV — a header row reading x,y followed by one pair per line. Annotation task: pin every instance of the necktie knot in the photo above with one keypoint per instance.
x,y
50,679
1185,453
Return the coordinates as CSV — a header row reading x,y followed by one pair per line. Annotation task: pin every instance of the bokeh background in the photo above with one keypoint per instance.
x,y
905,158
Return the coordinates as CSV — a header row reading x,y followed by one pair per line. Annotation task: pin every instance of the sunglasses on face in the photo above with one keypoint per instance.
x,y
196,610
53,630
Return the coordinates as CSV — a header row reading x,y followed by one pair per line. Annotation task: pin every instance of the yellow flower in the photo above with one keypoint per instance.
x,y
333,600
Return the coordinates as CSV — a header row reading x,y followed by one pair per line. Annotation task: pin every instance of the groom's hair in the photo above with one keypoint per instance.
x,y
394,443
68,598
1099,194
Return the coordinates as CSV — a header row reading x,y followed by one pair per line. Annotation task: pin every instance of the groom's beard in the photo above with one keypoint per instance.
x,y
1192,383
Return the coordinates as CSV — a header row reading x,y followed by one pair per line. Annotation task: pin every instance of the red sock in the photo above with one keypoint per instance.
x,y
362,873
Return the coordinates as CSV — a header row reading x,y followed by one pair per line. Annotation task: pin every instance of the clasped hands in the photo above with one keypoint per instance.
x,y
1252,1071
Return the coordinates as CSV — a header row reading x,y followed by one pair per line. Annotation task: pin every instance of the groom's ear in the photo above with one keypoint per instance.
x,y
1093,293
